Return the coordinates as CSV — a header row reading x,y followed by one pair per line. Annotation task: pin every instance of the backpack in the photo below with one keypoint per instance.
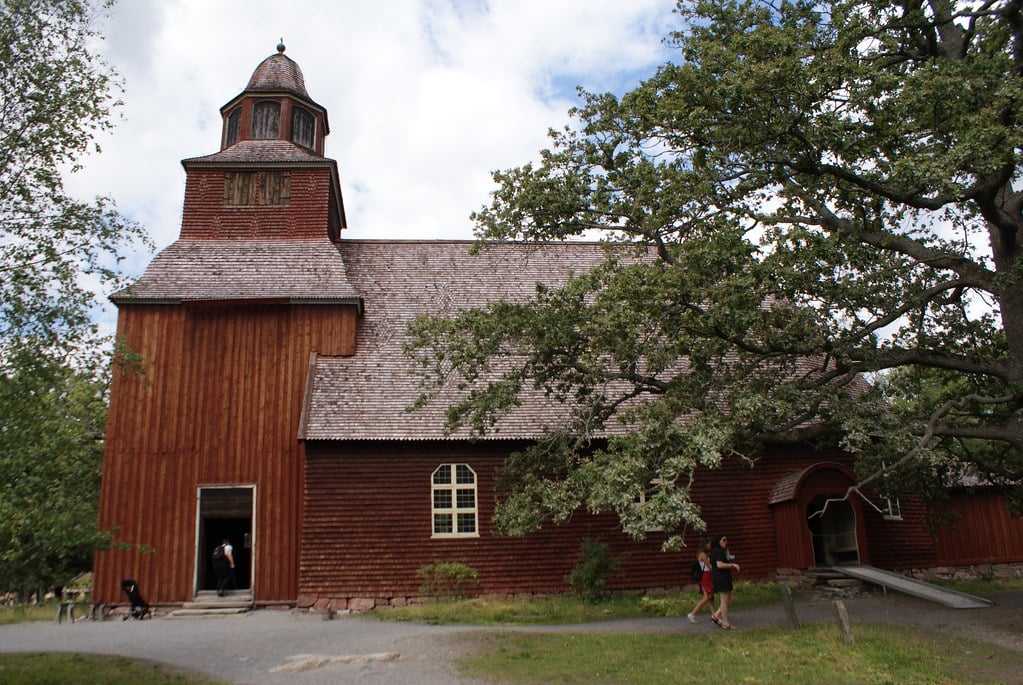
x,y
696,573
218,554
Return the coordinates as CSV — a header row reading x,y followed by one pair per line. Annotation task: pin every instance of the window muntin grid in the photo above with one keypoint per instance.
x,y
453,501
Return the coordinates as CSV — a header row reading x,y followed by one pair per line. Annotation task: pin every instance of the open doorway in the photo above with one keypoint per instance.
x,y
225,513
833,532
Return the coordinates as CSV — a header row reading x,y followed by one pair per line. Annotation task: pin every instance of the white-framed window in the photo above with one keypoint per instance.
x,y
651,489
891,509
453,495
640,501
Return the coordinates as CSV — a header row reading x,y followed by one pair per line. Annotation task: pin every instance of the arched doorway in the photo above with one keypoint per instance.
x,y
807,533
832,525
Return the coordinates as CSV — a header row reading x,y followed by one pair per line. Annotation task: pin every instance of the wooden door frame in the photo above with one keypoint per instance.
x,y
199,554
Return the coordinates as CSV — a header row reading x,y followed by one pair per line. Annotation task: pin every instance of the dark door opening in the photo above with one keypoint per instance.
x,y
225,513
833,531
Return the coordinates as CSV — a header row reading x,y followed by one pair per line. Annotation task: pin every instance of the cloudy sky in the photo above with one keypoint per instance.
x,y
425,97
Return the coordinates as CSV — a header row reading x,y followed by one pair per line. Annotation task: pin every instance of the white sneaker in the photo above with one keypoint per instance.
x,y
692,619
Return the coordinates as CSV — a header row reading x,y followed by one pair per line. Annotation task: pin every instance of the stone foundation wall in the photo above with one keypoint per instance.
x,y
361,604
801,578
973,572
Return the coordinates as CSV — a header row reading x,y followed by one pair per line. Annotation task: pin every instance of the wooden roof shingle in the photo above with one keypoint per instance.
x,y
260,152
278,73
364,397
203,270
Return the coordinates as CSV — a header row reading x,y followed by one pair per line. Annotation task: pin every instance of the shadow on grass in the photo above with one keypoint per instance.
x,y
62,668
813,654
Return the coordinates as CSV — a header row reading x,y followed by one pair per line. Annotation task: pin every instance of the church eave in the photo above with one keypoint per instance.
x,y
121,300
211,162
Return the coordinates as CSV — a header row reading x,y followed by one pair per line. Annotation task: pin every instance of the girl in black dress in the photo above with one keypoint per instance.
x,y
721,566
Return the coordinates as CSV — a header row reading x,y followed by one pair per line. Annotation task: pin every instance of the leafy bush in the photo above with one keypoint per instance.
x,y
594,567
448,579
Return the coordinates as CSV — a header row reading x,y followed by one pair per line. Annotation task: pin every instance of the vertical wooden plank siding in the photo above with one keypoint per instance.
x,y
795,547
985,532
219,404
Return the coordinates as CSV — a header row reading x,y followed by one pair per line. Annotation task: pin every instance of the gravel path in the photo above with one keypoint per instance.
x,y
267,647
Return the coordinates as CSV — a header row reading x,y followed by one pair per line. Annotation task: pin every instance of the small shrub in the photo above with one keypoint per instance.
x,y
448,579
594,567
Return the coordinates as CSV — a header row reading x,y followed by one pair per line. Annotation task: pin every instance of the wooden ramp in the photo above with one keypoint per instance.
x,y
917,588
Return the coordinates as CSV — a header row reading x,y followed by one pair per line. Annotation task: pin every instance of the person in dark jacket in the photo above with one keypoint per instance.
x,y
223,566
722,563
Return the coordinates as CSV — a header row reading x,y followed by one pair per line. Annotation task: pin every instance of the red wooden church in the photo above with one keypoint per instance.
x,y
271,410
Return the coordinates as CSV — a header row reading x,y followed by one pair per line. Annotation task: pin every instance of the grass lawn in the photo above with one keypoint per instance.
x,y
981,586
813,654
71,669
489,611
21,613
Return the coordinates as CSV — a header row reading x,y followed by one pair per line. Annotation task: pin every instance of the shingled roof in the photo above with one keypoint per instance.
x,y
364,397
261,152
278,73
201,270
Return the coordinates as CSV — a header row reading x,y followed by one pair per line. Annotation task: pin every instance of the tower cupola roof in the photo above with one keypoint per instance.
x,y
278,73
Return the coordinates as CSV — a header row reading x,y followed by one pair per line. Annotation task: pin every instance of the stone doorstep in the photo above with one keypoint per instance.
x,y
223,604
232,601
208,612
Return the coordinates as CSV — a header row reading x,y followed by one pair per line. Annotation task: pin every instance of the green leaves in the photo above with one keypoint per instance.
x,y
814,194
57,256
51,446
56,253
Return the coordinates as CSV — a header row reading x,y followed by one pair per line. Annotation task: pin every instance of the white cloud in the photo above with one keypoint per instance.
x,y
425,97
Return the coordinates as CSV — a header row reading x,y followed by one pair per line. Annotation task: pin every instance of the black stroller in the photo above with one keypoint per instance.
x,y
139,607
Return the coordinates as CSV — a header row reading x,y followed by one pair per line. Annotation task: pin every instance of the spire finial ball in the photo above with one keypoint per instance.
x,y
280,46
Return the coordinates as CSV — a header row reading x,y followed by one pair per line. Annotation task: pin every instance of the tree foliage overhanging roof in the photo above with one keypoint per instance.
x,y
853,162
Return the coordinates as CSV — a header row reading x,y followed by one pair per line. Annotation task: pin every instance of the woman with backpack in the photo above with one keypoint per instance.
x,y
705,586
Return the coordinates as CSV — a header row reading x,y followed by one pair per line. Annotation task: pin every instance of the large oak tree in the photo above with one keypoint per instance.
x,y
814,193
